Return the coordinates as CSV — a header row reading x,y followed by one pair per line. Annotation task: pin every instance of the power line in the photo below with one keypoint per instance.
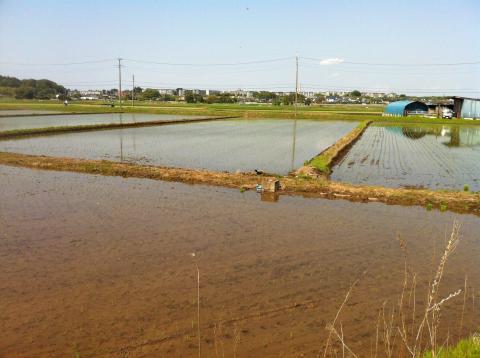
x,y
396,64
56,64
245,63
211,64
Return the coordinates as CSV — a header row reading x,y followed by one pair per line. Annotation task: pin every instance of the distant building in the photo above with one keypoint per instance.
x,y
165,91
405,108
466,107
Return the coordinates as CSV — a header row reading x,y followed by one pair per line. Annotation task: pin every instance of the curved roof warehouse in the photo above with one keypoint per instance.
x,y
405,108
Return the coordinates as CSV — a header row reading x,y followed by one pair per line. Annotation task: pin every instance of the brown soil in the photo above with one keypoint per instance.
x,y
462,202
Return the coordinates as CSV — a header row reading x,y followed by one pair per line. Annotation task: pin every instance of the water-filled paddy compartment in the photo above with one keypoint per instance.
x,y
102,266
431,156
31,122
7,112
274,146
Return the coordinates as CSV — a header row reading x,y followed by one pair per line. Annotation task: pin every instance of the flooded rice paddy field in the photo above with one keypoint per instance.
x,y
7,112
77,277
228,145
431,156
31,122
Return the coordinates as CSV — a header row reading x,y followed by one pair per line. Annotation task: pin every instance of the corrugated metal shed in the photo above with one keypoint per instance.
x,y
397,108
404,108
465,107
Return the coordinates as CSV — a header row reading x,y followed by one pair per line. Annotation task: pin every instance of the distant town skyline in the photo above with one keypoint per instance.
x,y
371,46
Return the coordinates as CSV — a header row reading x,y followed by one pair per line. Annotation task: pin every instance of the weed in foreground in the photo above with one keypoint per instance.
x,y
398,328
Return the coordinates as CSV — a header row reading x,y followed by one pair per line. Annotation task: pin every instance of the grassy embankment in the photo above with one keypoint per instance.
x,y
326,111
462,202
325,160
237,110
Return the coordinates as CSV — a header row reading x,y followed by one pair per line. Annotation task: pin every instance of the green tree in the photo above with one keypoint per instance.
x,y
6,81
356,93
191,97
25,92
150,94
319,98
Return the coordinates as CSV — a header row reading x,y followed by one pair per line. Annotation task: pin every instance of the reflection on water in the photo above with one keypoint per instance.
x,y
269,196
434,156
454,135
274,146
30,122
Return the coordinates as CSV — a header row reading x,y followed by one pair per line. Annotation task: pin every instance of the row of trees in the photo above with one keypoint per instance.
x,y
30,88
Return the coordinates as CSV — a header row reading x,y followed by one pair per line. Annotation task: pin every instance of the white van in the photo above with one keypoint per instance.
x,y
447,113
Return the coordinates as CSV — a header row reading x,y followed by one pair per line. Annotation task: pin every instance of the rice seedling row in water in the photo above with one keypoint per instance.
x,y
404,156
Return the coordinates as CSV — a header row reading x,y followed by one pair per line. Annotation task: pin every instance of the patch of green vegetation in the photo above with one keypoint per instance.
x,y
384,121
242,190
321,112
469,347
466,187
443,207
321,163
304,176
429,206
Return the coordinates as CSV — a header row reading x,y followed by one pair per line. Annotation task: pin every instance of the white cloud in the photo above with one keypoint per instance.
x,y
331,61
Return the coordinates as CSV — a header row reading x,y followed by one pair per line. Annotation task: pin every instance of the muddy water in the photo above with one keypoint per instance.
x,y
432,156
27,122
101,266
275,146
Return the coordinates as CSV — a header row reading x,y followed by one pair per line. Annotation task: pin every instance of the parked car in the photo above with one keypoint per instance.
x,y
447,113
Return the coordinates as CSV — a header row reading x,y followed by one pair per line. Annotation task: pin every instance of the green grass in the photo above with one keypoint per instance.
x,y
323,161
248,111
469,347
422,120
315,112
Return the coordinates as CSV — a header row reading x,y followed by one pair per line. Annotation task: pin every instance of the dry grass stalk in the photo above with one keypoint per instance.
x,y
198,305
332,325
431,315
463,306
401,338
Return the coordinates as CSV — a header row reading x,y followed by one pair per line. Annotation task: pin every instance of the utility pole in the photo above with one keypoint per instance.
x,y
120,82
133,90
296,84
295,114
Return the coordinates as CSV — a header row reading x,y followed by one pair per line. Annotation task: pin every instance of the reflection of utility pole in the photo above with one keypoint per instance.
x,y
133,90
295,113
120,82
121,147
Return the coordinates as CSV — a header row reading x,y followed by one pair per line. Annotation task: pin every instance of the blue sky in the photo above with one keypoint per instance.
x,y
34,34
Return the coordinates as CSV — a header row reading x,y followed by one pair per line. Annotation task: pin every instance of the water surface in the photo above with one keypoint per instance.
x,y
275,146
30,122
101,267
432,156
